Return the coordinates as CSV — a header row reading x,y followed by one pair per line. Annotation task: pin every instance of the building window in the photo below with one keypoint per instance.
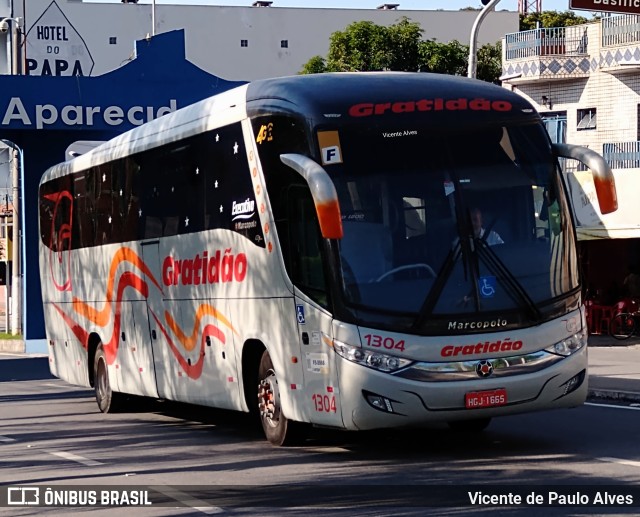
x,y
113,40
244,42
586,119
284,43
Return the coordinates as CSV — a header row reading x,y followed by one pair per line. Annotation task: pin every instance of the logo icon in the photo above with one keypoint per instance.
x,y
300,314
487,286
23,496
484,368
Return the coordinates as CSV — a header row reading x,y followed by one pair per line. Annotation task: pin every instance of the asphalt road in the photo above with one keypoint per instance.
x,y
217,462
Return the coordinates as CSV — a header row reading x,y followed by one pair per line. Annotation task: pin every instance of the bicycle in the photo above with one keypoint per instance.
x,y
625,324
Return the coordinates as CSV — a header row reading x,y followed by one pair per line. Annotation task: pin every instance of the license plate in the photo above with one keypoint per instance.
x,y
480,399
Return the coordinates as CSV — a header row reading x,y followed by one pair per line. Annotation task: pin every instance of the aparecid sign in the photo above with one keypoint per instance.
x,y
611,6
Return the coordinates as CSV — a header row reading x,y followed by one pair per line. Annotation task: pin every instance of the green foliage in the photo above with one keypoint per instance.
x,y
549,19
444,58
489,64
403,44
364,46
316,65
361,47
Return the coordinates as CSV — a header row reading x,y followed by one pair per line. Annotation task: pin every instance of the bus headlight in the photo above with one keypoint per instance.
x,y
375,360
570,345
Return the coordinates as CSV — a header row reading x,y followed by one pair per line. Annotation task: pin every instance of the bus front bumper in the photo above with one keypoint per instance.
x,y
376,400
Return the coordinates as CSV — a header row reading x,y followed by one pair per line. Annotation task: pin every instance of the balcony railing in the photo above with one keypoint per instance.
x,y
620,30
546,42
622,155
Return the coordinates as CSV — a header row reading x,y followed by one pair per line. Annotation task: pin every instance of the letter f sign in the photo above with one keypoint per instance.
x,y
331,155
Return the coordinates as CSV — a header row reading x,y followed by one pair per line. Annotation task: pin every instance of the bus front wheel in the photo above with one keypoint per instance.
x,y
108,400
278,429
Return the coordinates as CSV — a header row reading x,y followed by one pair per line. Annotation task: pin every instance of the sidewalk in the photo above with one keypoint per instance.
x,y
614,366
614,369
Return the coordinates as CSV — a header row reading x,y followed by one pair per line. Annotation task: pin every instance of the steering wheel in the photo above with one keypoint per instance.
x,y
404,268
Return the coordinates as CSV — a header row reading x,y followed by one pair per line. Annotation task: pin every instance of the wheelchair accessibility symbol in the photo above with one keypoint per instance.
x,y
300,314
487,286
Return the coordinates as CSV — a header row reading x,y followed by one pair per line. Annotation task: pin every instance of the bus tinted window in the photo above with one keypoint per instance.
x,y
197,184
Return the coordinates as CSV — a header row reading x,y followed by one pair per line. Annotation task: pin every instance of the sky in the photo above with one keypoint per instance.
x,y
452,5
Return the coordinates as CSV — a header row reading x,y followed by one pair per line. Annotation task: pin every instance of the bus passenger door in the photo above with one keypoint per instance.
x,y
322,401
322,398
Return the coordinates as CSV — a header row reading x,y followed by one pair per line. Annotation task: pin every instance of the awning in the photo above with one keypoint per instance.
x,y
591,224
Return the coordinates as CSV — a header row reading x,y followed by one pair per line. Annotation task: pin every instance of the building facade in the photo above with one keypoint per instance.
x,y
585,82
73,37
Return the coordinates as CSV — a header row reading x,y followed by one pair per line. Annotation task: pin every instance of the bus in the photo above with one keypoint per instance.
x,y
305,249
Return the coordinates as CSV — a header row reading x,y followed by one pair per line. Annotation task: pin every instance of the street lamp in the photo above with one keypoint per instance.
x,y
473,39
16,54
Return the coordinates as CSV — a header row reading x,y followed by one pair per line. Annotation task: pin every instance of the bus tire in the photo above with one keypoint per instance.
x,y
278,429
108,400
475,425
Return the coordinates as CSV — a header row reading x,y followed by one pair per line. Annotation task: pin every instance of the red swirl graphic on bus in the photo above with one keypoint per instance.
x,y
110,315
60,240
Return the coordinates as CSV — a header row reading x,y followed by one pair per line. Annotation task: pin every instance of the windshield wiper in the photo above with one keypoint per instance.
x,y
438,286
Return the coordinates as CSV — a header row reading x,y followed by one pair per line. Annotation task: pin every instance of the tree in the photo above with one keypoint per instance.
x,y
549,19
444,58
404,40
489,64
361,47
364,46
316,65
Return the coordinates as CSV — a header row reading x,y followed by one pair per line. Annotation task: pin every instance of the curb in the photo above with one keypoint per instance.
x,y
13,346
616,396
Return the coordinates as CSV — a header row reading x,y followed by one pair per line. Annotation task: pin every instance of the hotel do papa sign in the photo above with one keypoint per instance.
x,y
610,6
55,46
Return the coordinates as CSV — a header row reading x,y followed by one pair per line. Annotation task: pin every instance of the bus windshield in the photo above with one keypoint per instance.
x,y
453,222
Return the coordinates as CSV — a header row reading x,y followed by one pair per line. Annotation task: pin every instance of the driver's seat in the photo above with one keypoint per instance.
x,y
367,249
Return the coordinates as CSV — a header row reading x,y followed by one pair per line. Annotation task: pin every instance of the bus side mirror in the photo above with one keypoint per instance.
x,y
602,175
323,193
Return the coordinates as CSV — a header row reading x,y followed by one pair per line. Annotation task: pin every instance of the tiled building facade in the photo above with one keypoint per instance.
x,y
585,82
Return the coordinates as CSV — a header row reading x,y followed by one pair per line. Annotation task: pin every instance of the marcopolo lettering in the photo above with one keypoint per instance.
x,y
476,325
505,345
43,115
219,267
366,109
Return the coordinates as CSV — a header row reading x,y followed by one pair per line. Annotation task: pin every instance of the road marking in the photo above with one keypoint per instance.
x,y
186,499
6,439
621,462
614,406
74,457
66,386
52,385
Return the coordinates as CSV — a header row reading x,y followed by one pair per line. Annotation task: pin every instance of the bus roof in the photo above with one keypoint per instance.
x,y
329,95
356,97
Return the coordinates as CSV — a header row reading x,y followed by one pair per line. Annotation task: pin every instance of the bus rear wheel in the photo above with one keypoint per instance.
x,y
108,400
278,429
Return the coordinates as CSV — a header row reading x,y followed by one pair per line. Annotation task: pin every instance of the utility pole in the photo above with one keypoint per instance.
x,y
473,39
17,60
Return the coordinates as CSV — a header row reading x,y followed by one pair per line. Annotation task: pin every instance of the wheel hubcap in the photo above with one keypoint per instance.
x,y
268,400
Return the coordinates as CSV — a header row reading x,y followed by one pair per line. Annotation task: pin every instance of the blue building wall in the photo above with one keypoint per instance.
x,y
43,115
